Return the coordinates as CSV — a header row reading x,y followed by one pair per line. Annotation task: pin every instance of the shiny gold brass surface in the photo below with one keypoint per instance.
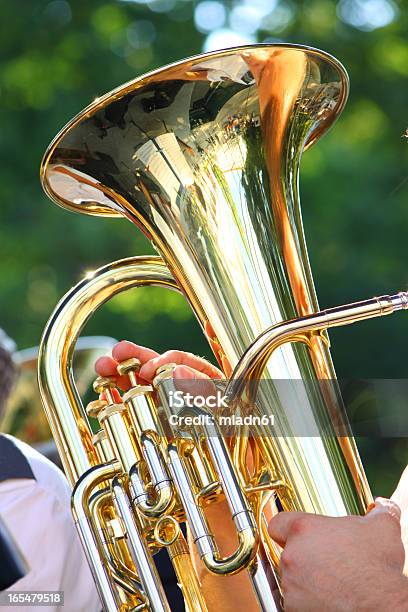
x,y
167,530
62,403
130,368
190,585
103,447
95,407
203,156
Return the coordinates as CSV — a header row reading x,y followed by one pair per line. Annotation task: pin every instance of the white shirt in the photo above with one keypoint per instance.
x,y
38,516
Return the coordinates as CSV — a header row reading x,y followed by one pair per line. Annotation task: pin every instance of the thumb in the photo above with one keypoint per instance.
x,y
383,506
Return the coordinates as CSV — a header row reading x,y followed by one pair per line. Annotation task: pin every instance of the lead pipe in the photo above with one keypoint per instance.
x,y
253,362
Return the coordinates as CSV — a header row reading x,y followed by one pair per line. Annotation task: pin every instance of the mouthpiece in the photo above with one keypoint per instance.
x,y
400,300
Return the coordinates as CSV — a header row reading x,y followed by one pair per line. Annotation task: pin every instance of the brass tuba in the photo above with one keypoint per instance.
x,y
203,156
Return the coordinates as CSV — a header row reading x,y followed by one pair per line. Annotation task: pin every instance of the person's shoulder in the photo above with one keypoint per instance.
x,y
48,476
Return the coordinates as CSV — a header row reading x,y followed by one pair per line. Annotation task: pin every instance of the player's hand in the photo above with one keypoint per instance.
x,y
189,366
342,564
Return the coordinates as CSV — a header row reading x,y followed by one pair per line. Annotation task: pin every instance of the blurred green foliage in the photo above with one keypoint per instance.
x,y
58,55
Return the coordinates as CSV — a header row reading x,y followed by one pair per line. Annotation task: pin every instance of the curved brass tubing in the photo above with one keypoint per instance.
x,y
240,559
80,508
238,504
145,566
123,576
253,362
164,495
61,400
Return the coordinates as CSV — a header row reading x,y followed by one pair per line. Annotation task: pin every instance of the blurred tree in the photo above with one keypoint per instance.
x,y
55,56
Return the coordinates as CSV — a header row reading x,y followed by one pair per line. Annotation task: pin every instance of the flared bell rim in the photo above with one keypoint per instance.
x,y
113,95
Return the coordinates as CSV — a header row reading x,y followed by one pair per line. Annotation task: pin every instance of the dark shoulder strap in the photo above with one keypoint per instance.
x,y
13,463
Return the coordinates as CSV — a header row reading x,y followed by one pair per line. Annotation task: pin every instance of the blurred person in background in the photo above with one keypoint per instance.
x,y
35,504
328,563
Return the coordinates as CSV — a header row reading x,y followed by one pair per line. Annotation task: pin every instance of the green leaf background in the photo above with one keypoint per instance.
x,y
57,56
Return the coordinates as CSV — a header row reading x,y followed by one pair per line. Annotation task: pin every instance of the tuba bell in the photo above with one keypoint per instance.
x,y
203,156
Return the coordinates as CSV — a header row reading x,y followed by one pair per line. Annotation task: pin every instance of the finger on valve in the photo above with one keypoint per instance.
x,y
149,369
